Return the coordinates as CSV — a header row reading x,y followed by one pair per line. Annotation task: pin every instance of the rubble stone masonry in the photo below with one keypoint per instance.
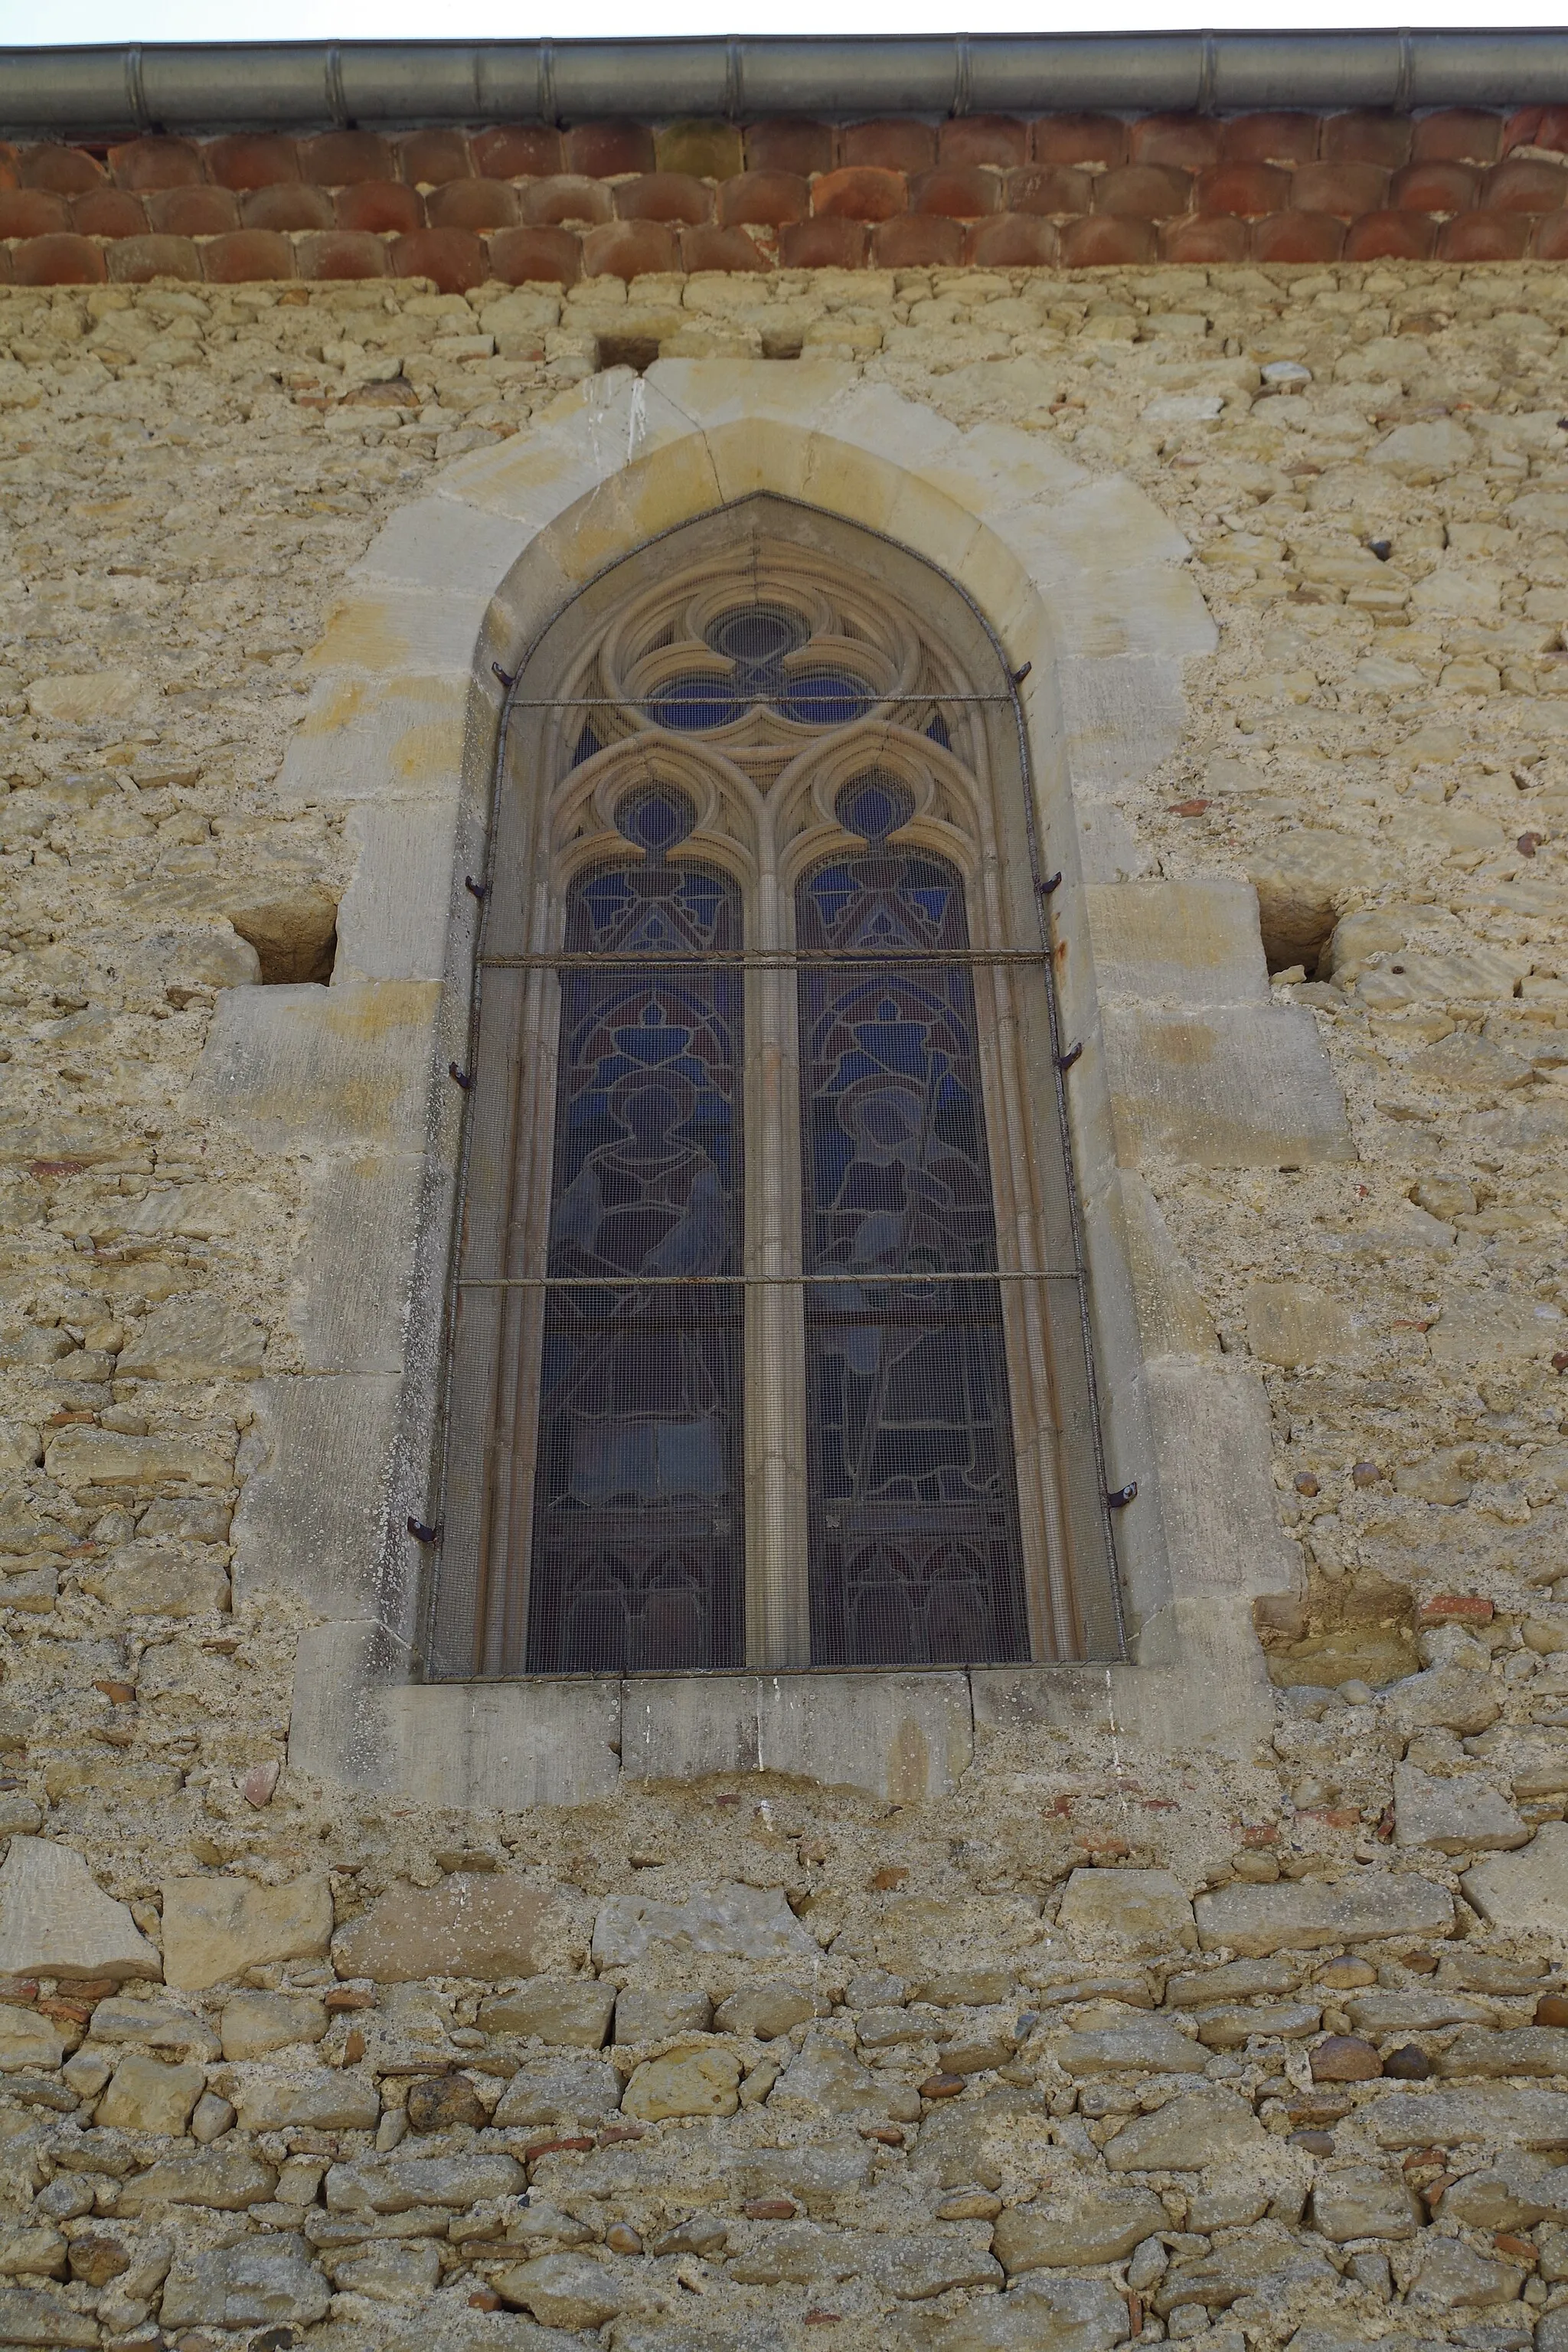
x,y
1245,2041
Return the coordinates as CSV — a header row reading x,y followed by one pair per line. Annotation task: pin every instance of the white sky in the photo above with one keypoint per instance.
x,y
26,23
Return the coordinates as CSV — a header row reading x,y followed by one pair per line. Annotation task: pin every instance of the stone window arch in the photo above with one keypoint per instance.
x,y
865,1435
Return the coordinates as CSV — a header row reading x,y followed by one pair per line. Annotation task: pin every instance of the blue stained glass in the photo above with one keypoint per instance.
x,y
638,1506
757,643
914,1545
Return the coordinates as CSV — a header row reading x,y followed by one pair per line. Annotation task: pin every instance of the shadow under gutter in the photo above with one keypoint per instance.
x,y
118,92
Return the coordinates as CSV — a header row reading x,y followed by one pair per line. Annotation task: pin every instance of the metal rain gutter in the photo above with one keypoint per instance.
x,y
112,92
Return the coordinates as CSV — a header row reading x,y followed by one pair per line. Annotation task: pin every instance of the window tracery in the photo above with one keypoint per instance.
x,y
762,872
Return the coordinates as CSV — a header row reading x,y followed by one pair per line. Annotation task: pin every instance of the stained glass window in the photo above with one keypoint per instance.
x,y
760,655
638,1538
914,1544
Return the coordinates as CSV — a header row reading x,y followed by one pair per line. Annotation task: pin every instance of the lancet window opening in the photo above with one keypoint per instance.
x,y
767,1344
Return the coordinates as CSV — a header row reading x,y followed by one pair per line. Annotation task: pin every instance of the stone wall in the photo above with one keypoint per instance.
x,y
1207,2038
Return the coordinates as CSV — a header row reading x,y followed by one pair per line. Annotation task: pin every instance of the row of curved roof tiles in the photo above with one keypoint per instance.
x,y
455,260
247,162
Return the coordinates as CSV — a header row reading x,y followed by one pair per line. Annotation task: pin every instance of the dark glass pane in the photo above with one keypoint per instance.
x,y
638,1550
825,697
914,1547
690,704
588,744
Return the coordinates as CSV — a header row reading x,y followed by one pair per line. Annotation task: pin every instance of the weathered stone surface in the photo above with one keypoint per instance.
x,y
1463,1814
765,2012
1309,1915
1231,2028
28,2041
227,2178
399,2184
1194,2130
55,1920
817,2174
395,2273
562,2290
1149,2045
684,2082
1450,2274
255,2022
1039,2315
918,2264
147,2095
326,2101
1097,2225
790,2253
545,2089
217,1927
1266,2262
1359,2202
1409,2009
1523,1893
745,1923
268,2281
88,698
1514,2193
1128,1910
104,1458
1232,1980
1446,1698
474,1924
1535,1764
1524,2050
827,2079
1450,2119
156,2025
149,1579
1295,1323
646,2015
32,2315
194,1336
32,2254
568,2012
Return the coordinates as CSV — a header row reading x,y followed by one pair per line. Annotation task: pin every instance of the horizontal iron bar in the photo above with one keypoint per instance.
x,y
745,1281
762,958
644,702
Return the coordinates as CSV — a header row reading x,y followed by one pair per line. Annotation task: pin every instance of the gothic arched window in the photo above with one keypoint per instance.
x,y
767,1343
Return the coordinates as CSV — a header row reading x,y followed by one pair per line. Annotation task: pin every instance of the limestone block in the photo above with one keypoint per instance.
x,y
57,1921
293,1068
19,1445
684,2082
311,1516
325,2101
1128,1910
1449,1698
149,2095
33,2315
1301,878
32,2254
1522,2050
227,2179
1232,1980
154,1579
789,2253
1524,1894
1535,1764
1040,2315
1427,452
1359,2202
565,2011
645,2014
767,2011
395,2273
1269,2266
443,543
28,2041
1449,2118
200,1211
1293,1323
1451,2275
825,2078
394,919
265,2282
919,2264
402,2184
1515,2193
1488,1329
483,1924
905,1737
349,1296
1232,2029
359,738
1309,1915
89,698
195,1336
817,2174
1464,1814
154,2025
218,1927
1412,2010
1123,715
1233,1088
387,630
1151,2045
1190,943
1100,2224
462,1744
747,1922
562,2290
104,1457
257,2022
1210,1447
545,2089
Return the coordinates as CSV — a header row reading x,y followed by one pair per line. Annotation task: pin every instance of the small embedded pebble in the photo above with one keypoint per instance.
x,y
972,2205
437,2102
942,2086
1316,2143
1407,2063
769,2208
1365,1473
1551,2009
622,2240
1306,1483
1345,2058
1346,1973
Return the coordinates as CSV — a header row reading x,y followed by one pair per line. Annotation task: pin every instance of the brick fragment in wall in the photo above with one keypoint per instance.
x,y
1421,1464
